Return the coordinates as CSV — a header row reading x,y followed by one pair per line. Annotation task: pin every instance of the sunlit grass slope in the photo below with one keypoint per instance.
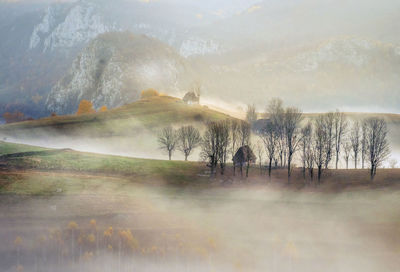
x,y
9,148
20,157
152,114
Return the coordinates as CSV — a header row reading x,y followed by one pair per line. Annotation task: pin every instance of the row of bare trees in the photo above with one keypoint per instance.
x,y
366,139
318,143
185,139
281,135
224,138
321,140
221,140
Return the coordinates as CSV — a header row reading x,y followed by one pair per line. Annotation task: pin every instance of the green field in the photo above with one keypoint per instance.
x,y
171,172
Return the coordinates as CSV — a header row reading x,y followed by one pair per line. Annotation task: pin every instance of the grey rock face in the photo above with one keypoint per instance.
x,y
114,69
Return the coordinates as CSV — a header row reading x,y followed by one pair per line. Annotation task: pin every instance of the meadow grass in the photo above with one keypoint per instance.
x,y
73,162
9,148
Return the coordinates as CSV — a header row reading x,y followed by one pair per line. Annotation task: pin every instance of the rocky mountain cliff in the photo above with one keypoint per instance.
x,y
114,68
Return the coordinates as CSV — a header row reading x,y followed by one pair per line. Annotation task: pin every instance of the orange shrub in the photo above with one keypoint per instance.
x,y
103,109
13,117
85,107
149,93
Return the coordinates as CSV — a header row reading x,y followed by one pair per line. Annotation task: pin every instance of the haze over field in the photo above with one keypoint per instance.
x,y
142,215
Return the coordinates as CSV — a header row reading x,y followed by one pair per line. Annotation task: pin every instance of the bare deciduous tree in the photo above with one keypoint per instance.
x,y
393,163
223,139
275,112
260,154
188,139
340,126
251,114
244,137
249,158
210,147
244,133
377,143
306,150
320,144
355,139
215,145
235,141
347,151
292,119
167,140
329,130
310,159
270,138
364,145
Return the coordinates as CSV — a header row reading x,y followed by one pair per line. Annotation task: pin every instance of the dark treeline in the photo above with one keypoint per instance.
x,y
328,140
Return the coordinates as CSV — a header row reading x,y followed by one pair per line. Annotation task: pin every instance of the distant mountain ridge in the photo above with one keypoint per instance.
x,y
353,73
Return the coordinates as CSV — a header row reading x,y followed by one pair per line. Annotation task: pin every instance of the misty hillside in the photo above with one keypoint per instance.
x,y
130,130
114,68
152,113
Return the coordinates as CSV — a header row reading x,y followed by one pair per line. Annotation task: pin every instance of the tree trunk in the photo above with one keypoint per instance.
x,y
270,168
312,173
319,173
372,172
288,167
186,157
169,154
337,160
355,161
284,159
362,161
247,169
234,169
347,164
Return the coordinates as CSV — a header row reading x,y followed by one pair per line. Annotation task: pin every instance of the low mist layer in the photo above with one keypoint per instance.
x,y
164,228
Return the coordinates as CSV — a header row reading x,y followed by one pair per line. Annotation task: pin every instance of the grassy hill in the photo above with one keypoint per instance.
x,y
130,130
15,159
151,113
